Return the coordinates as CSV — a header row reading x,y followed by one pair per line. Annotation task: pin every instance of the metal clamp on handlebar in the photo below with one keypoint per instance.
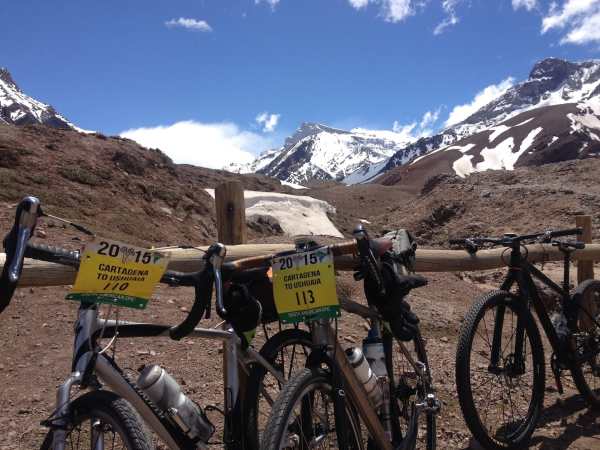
x,y
15,244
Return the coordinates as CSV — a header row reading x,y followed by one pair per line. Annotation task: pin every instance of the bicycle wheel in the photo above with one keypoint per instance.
x,y
303,416
101,419
409,390
501,403
586,341
287,351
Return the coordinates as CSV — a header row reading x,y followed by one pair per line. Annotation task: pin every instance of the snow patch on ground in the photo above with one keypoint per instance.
x,y
297,214
462,166
293,185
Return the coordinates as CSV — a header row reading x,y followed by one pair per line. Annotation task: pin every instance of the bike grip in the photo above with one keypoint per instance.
x,y
43,252
252,262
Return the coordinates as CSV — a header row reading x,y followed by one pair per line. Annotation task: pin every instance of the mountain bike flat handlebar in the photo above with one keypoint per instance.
x,y
472,244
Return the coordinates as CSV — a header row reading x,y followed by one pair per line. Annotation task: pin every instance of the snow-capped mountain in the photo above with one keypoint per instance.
x,y
18,108
552,82
542,135
319,152
358,156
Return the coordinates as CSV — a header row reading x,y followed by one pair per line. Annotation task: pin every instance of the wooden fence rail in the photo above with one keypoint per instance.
x,y
37,273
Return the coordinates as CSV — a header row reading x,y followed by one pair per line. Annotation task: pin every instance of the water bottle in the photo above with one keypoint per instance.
x,y
559,321
375,354
166,393
365,375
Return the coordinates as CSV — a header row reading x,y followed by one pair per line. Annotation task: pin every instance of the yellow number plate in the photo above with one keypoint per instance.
x,y
304,286
119,274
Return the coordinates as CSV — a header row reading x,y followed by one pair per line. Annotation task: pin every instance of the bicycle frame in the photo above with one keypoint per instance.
x,y
327,350
521,272
88,362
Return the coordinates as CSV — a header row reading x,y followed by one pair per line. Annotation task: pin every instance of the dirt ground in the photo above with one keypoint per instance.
x,y
36,336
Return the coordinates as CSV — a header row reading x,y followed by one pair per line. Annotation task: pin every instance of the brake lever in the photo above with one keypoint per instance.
x,y
16,241
216,255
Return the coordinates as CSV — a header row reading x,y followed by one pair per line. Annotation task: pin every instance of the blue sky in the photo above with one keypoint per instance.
x,y
213,67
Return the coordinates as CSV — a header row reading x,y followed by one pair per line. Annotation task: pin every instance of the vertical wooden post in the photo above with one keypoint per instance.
x,y
231,229
231,213
585,269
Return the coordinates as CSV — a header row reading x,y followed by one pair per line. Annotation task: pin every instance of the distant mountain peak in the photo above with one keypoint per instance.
x,y
7,77
552,68
17,108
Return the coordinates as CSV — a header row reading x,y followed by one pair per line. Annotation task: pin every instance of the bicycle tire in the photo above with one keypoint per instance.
x,y
294,392
519,438
114,412
430,440
589,292
270,351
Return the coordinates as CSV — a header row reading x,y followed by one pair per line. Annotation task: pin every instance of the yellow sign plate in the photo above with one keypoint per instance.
x,y
119,274
304,286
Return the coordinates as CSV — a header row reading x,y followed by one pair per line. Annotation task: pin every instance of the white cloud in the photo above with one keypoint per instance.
x,y
404,130
451,19
483,97
271,3
428,120
267,121
529,5
391,10
416,130
397,10
213,145
189,24
358,4
579,18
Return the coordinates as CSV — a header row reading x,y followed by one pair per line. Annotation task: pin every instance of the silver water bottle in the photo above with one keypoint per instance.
x,y
365,375
166,393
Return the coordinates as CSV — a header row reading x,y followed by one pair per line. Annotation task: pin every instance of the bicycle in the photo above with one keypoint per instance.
x,y
340,393
500,355
115,414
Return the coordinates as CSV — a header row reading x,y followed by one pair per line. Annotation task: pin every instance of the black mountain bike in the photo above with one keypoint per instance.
x,y
112,412
500,355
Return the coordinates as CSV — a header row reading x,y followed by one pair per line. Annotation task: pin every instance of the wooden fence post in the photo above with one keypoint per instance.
x,y
585,269
231,213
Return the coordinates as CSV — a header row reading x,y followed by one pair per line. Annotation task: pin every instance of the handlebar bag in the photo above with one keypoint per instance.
x,y
393,305
404,248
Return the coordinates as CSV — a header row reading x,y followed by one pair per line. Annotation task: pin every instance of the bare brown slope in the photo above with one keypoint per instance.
x,y
113,185
527,199
556,142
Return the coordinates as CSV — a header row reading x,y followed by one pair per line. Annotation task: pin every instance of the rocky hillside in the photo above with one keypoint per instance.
x,y
113,185
527,199
18,108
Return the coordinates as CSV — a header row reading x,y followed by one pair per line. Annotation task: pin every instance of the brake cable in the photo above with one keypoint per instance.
x,y
68,222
